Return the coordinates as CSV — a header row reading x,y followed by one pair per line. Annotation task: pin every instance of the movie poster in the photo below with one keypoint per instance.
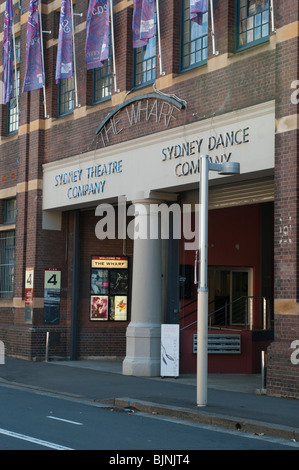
x,y
100,281
99,307
120,307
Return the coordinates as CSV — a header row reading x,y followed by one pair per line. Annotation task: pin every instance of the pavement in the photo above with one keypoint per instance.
x,y
235,401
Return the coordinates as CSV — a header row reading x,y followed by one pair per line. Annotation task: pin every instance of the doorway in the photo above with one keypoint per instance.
x,y
229,290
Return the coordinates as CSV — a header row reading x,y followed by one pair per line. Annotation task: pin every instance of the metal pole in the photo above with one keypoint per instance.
x,y
47,345
43,62
272,16
113,46
202,290
16,72
212,28
159,38
75,286
74,56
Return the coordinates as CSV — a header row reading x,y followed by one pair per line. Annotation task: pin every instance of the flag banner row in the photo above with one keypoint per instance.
x,y
97,43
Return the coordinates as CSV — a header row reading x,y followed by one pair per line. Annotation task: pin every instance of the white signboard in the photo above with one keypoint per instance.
x,y
167,160
169,351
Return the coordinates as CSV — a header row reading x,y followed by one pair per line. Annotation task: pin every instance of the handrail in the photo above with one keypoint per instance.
x,y
247,313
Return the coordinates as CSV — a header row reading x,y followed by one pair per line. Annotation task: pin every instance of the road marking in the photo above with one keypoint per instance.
x,y
65,420
33,439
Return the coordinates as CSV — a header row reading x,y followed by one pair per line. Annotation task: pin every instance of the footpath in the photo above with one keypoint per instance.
x,y
234,401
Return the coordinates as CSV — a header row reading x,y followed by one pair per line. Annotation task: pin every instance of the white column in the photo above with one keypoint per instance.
x,y
144,331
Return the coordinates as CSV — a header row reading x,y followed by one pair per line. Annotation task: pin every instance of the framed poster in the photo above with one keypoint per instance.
x,y
120,307
119,282
109,287
100,281
99,307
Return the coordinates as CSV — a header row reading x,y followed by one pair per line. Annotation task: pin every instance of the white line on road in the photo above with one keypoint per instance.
x,y
33,439
65,420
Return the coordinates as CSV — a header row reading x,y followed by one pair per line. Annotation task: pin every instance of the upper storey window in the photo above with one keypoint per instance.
x,y
194,46
145,63
253,22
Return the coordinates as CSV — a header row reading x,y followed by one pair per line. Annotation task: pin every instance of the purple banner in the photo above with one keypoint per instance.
x,y
97,34
64,62
8,57
34,76
197,9
143,22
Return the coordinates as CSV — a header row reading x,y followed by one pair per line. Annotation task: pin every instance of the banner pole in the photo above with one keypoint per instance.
x,y
159,38
15,64
43,63
113,46
74,56
212,28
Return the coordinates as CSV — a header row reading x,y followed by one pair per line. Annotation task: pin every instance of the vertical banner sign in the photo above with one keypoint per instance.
x,y
8,56
169,350
29,283
64,62
143,22
109,288
34,76
97,34
52,285
197,9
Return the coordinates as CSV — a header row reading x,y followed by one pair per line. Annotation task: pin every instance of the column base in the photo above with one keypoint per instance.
x,y
143,350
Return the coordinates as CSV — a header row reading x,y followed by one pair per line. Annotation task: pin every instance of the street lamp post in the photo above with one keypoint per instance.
x,y
225,168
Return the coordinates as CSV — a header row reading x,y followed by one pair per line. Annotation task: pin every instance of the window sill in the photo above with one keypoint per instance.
x,y
7,227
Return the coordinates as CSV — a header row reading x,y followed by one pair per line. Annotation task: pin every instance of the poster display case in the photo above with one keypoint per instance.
x,y
109,288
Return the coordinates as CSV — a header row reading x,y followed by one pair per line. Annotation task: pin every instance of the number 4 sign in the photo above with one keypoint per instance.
x,y
52,278
52,284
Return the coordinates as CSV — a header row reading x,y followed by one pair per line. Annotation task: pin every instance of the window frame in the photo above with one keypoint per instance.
x,y
202,38
254,42
152,58
7,264
108,65
61,103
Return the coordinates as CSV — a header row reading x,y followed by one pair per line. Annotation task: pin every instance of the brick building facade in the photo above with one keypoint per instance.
x,y
141,140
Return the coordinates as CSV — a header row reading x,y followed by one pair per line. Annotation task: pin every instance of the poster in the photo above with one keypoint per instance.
x,y
109,288
120,307
119,282
100,281
169,350
99,307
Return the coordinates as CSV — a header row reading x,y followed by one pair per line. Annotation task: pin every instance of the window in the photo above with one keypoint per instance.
x,y
13,115
145,63
253,21
7,249
194,47
66,96
102,79
7,256
10,211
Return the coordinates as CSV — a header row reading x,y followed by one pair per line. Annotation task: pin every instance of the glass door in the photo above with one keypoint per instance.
x,y
239,296
229,295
